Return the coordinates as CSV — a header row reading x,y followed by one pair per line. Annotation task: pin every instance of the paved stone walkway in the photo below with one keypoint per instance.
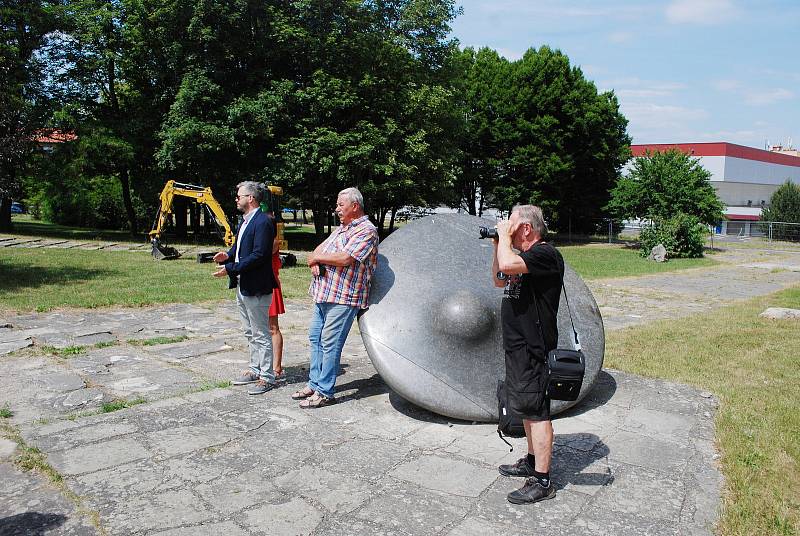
x,y
636,457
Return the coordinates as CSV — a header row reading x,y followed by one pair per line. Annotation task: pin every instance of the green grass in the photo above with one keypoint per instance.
x,y
5,411
599,261
157,340
43,279
69,351
750,364
117,405
209,385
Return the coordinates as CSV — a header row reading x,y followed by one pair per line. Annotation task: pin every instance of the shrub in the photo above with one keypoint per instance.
x,y
682,235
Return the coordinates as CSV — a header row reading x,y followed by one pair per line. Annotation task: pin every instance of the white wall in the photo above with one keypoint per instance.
x,y
757,172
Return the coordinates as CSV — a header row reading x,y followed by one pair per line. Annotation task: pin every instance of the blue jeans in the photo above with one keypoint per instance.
x,y
328,332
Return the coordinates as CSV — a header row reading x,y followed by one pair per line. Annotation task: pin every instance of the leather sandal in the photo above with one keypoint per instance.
x,y
316,401
302,394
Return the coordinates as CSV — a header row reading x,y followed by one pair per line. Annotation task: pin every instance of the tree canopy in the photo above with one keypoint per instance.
x,y
311,95
661,185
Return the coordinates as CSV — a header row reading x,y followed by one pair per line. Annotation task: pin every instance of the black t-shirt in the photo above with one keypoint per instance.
x,y
518,312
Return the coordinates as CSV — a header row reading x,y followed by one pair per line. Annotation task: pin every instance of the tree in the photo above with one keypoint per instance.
x,y
24,25
784,205
562,143
366,103
662,184
479,74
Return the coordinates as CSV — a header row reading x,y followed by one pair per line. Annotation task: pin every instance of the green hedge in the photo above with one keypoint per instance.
x,y
683,236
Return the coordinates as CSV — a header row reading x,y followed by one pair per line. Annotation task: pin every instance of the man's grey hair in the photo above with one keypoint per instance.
x,y
354,196
256,189
533,215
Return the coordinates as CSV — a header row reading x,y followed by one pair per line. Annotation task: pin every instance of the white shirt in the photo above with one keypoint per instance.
x,y
246,219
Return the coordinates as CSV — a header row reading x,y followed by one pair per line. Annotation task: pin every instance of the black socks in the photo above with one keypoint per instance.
x,y
531,460
542,478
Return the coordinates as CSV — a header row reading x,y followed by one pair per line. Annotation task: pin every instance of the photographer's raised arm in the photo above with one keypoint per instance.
x,y
508,261
496,267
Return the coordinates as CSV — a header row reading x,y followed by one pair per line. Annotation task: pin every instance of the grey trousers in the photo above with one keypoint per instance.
x,y
254,312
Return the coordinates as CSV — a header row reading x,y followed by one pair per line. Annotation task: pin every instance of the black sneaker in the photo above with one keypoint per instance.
x,y
521,468
532,492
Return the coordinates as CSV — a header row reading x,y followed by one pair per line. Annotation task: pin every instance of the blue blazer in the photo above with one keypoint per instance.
x,y
255,257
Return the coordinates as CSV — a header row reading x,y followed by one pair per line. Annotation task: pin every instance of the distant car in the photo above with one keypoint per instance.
x,y
289,210
17,208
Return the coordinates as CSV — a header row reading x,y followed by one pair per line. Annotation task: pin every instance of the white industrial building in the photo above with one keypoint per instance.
x,y
744,178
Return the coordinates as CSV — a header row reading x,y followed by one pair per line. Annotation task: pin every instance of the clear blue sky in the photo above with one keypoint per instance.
x,y
683,70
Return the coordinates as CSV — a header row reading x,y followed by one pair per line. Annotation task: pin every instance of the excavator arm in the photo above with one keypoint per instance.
x,y
203,196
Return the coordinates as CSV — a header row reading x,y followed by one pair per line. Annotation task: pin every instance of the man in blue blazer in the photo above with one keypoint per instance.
x,y
248,266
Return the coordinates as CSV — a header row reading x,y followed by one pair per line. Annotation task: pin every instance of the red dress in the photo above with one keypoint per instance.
x,y
277,307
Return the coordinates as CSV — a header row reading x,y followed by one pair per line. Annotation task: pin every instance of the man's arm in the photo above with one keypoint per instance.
x,y
338,258
357,248
508,262
496,267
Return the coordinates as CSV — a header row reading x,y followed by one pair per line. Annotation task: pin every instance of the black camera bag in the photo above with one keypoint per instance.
x,y
565,373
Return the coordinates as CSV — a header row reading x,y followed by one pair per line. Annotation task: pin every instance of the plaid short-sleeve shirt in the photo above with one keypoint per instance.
x,y
348,285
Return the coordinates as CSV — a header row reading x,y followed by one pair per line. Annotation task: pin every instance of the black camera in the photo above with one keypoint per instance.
x,y
488,232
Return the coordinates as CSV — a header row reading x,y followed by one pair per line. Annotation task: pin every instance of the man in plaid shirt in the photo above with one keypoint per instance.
x,y
341,267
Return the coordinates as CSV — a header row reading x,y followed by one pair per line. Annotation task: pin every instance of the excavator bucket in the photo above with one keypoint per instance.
x,y
162,252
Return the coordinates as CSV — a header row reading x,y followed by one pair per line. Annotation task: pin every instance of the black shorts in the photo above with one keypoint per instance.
x,y
526,382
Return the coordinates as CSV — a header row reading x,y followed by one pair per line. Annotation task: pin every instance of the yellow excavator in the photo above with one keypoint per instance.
x,y
203,196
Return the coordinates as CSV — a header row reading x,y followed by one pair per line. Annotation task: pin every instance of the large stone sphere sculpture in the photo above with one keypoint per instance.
x,y
433,326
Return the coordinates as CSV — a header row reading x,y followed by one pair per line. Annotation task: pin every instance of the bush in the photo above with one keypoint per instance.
x,y
784,207
682,235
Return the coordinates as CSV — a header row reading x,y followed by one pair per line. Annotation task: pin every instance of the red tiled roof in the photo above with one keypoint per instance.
x,y
52,135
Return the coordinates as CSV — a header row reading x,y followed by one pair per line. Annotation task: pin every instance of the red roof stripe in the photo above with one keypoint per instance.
x,y
720,149
742,217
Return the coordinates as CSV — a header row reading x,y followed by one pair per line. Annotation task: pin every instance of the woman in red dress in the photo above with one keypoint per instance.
x,y
276,308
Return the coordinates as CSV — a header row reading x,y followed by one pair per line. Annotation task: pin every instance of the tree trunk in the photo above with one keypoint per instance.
x,y
179,211
5,214
318,213
124,179
391,221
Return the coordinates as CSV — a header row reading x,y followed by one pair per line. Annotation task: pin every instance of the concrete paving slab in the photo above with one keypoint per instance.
x,y
455,477
31,506
296,517
335,492
12,346
228,528
94,457
405,509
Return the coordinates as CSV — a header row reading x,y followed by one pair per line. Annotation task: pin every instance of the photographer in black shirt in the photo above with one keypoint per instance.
x,y
537,269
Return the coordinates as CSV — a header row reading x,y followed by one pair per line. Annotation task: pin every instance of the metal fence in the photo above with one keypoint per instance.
x,y
612,231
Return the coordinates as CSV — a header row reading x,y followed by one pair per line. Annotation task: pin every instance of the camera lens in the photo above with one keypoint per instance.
x,y
487,232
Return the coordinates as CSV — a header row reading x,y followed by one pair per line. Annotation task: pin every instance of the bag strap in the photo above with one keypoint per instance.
x,y
499,433
569,312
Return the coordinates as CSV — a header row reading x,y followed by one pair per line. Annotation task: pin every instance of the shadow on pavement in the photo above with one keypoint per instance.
x,y
603,389
30,523
573,454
